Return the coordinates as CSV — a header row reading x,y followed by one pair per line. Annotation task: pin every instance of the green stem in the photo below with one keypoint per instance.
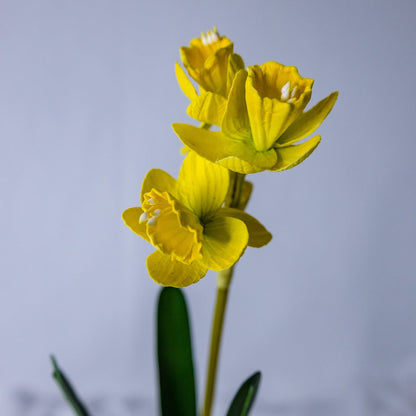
x,y
223,284
217,325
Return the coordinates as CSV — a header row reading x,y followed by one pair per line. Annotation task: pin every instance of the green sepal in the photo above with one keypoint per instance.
x,y
70,395
244,399
174,347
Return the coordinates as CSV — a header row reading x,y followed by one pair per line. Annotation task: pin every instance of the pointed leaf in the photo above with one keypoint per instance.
x,y
70,395
176,370
244,399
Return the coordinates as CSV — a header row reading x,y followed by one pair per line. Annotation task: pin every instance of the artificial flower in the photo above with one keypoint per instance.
x,y
186,222
263,119
210,61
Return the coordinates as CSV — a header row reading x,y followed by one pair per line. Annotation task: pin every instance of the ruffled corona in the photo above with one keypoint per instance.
x,y
275,96
171,227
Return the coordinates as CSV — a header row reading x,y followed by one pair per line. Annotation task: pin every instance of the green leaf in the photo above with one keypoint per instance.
x,y
244,399
70,395
176,370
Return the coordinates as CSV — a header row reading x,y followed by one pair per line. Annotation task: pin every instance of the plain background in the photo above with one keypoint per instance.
x,y
327,310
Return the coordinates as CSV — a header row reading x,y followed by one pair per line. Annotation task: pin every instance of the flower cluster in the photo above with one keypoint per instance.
x,y
197,222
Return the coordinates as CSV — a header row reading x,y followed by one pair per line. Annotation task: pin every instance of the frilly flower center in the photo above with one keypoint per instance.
x,y
280,83
171,227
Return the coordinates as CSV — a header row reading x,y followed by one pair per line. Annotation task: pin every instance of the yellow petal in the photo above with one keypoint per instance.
x,y
207,62
225,240
258,234
167,272
184,82
131,218
241,166
290,156
160,180
208,108
203,185
308,122
235,155
270,113
214,76
235,64
236,123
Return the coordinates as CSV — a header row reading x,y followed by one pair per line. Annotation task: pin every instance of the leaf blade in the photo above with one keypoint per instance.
x,y
176,371
246,394
69,393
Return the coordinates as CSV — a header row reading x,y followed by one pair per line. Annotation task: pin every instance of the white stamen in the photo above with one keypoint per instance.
x,y
285,91
290,100
210,37
292,93
156,212
143,217
151,201
152,221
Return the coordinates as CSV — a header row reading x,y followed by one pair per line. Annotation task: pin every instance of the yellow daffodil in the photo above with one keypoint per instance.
x,y
263,119
210,61
186,222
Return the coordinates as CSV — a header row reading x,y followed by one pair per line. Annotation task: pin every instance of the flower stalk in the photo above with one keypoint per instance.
x,y
223,283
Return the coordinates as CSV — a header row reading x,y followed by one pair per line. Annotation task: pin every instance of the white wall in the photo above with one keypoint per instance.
x,y
327,310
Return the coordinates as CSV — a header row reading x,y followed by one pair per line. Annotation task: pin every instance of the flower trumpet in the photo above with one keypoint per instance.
x,y
210,62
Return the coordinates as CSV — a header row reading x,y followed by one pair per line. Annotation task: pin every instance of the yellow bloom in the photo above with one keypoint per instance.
x,y
210,61
206,60
185,221
263,119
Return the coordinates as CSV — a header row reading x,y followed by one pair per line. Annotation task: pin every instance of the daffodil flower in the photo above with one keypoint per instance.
x,y
186,222
210,61
263,120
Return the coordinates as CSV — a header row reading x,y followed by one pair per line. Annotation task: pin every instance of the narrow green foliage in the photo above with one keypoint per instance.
x,y
70,395
244,399
176,370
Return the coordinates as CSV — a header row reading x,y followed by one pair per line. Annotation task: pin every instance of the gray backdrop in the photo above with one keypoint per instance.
x,y
326,311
